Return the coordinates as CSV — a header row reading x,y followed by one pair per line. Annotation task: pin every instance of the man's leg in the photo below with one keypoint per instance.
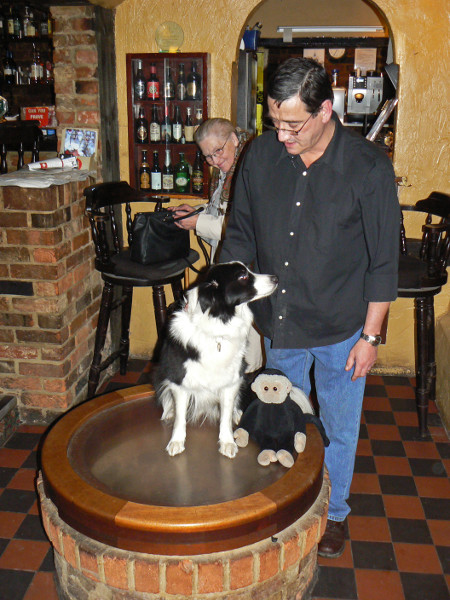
x,y
295,364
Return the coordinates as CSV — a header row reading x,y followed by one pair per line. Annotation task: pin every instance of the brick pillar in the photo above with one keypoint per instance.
x,y
49,298
75,61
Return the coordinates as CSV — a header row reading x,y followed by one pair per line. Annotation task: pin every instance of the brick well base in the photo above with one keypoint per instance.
x,y
279,568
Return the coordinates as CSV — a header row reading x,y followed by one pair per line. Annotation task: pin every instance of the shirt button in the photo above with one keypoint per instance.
x,y
291,233
305,173
286,264
280,317
283,291
297,203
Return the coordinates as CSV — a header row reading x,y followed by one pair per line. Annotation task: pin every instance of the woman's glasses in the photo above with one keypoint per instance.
x,y
217,153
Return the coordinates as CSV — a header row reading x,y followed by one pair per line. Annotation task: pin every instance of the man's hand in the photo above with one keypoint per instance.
x,y
362,356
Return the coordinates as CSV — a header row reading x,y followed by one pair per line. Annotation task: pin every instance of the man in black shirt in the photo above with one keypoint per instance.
x,y
317,206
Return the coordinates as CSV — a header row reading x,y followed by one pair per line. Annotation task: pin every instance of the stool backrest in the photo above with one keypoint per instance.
x,y
19,136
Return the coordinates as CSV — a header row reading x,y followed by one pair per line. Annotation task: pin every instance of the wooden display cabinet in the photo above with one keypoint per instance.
x,y
163,62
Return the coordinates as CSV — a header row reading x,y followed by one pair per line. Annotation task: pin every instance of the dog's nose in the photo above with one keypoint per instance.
x,y
274,279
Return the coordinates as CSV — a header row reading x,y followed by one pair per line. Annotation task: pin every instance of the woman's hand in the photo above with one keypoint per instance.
x,y
179,211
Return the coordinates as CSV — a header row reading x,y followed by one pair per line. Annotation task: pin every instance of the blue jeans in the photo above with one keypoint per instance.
x,y
340,400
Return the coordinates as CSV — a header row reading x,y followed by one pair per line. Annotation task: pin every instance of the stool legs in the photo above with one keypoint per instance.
x,y
125,331
159,304
100,337
426,365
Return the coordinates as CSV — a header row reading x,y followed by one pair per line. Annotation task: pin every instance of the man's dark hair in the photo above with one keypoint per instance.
x,y
302,77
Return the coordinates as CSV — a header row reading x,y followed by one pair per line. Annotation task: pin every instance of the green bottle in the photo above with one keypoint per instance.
x,y
182,175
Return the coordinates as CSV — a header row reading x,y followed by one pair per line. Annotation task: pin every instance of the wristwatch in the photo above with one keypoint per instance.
x,y
373,340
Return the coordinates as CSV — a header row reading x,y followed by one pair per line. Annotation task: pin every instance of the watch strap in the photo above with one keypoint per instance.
x,y
373,340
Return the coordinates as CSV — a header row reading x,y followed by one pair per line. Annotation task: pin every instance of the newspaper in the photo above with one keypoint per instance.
x,y
44,178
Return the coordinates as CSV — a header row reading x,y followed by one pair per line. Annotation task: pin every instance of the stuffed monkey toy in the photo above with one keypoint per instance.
x,y
276,419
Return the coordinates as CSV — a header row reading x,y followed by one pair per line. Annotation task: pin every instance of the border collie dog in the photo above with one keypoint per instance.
x,y
201,368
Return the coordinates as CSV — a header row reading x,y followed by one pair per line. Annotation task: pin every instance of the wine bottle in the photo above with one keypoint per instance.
x,y
181,83
182,175
167,174
177,126
198,118
169,85
35,68
155,126
10,24
17,25
144,172
141,128
156,176
139,83
197,174
153,84
194,84
189,126
9,69
166,126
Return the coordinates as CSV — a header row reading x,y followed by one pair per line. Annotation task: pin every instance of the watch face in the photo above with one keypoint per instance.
x,y
336,53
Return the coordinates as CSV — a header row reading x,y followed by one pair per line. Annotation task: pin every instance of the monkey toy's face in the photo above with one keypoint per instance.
x,y
272,389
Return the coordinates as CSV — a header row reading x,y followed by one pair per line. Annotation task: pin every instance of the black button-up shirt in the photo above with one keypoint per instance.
x,y
330,233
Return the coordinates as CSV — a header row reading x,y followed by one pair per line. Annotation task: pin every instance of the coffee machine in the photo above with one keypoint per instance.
x,y
365,93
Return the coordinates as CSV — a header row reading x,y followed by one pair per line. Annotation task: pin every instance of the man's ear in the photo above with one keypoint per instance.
x,y
327,110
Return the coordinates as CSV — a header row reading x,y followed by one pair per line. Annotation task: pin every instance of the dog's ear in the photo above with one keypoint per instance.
x,y
207,294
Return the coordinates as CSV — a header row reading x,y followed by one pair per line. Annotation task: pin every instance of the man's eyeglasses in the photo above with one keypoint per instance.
x,y
269,124
217,153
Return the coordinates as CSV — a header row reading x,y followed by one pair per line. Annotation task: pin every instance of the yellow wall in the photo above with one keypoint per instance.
x,y
420,33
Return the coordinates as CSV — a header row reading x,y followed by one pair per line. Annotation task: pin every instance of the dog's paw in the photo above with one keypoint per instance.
x,y
241,437
229,449
266,457
175,447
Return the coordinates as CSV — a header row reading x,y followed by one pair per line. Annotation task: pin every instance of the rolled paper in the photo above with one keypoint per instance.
x,y
72,162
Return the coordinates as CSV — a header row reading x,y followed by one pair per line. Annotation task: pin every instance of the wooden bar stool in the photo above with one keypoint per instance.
x,y
19,136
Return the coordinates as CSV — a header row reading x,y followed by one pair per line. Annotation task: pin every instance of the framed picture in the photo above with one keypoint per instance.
x,y
79,141
315,53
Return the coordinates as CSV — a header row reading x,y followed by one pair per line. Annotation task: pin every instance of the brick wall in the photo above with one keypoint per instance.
x,y
49,298
76,68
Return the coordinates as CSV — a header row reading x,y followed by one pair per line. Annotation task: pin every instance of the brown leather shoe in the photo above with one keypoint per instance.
x,y
333,541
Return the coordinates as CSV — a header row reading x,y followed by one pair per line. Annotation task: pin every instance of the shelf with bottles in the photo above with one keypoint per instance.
x,y
167,100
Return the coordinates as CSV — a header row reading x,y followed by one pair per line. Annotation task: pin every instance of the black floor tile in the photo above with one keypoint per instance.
x,y
48,564
398,485
403,404
365,464
23,441
363,433
14,584
411,434
379,417
17,500
444,557
410,531
396,380
427,467
387,448
3,543
434,420
335,582
366,505
421,586
31,529
443,449
436,508
6,474
31,461
374,555
374,390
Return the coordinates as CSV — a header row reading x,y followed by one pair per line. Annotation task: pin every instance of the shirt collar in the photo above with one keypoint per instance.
x,y
334,152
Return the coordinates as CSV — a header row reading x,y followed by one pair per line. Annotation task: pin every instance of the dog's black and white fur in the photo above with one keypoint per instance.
x,y
202,360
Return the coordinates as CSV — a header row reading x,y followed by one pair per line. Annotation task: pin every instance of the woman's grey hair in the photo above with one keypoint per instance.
x,y
219,127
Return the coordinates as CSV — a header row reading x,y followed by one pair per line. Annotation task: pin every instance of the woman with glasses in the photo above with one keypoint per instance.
x,y
221,144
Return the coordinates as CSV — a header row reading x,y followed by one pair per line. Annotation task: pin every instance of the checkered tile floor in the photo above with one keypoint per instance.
x,y
398,532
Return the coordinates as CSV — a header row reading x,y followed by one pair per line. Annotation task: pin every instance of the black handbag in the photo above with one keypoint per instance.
x,y
156,238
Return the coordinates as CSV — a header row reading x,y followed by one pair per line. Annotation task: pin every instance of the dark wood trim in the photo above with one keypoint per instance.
x,y
325,42
104,33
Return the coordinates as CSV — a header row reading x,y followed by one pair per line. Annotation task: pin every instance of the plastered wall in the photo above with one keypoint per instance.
x,y
419,29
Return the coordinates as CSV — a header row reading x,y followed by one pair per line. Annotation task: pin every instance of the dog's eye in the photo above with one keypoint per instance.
x,y
266,388
243,277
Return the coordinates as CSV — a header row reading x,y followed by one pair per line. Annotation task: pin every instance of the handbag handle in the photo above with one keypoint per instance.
x,y
169,218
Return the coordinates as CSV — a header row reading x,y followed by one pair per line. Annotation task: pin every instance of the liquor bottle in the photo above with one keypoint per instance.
x,y
155,126
3,24
36,68
167,174
198,118
139,83
177,126
182,175
189,126
17,25
156,177
153,84
194,84
9,69
26,22
144,172
141,128
197,174
181,83
10,24
166,126
169,85
43,26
